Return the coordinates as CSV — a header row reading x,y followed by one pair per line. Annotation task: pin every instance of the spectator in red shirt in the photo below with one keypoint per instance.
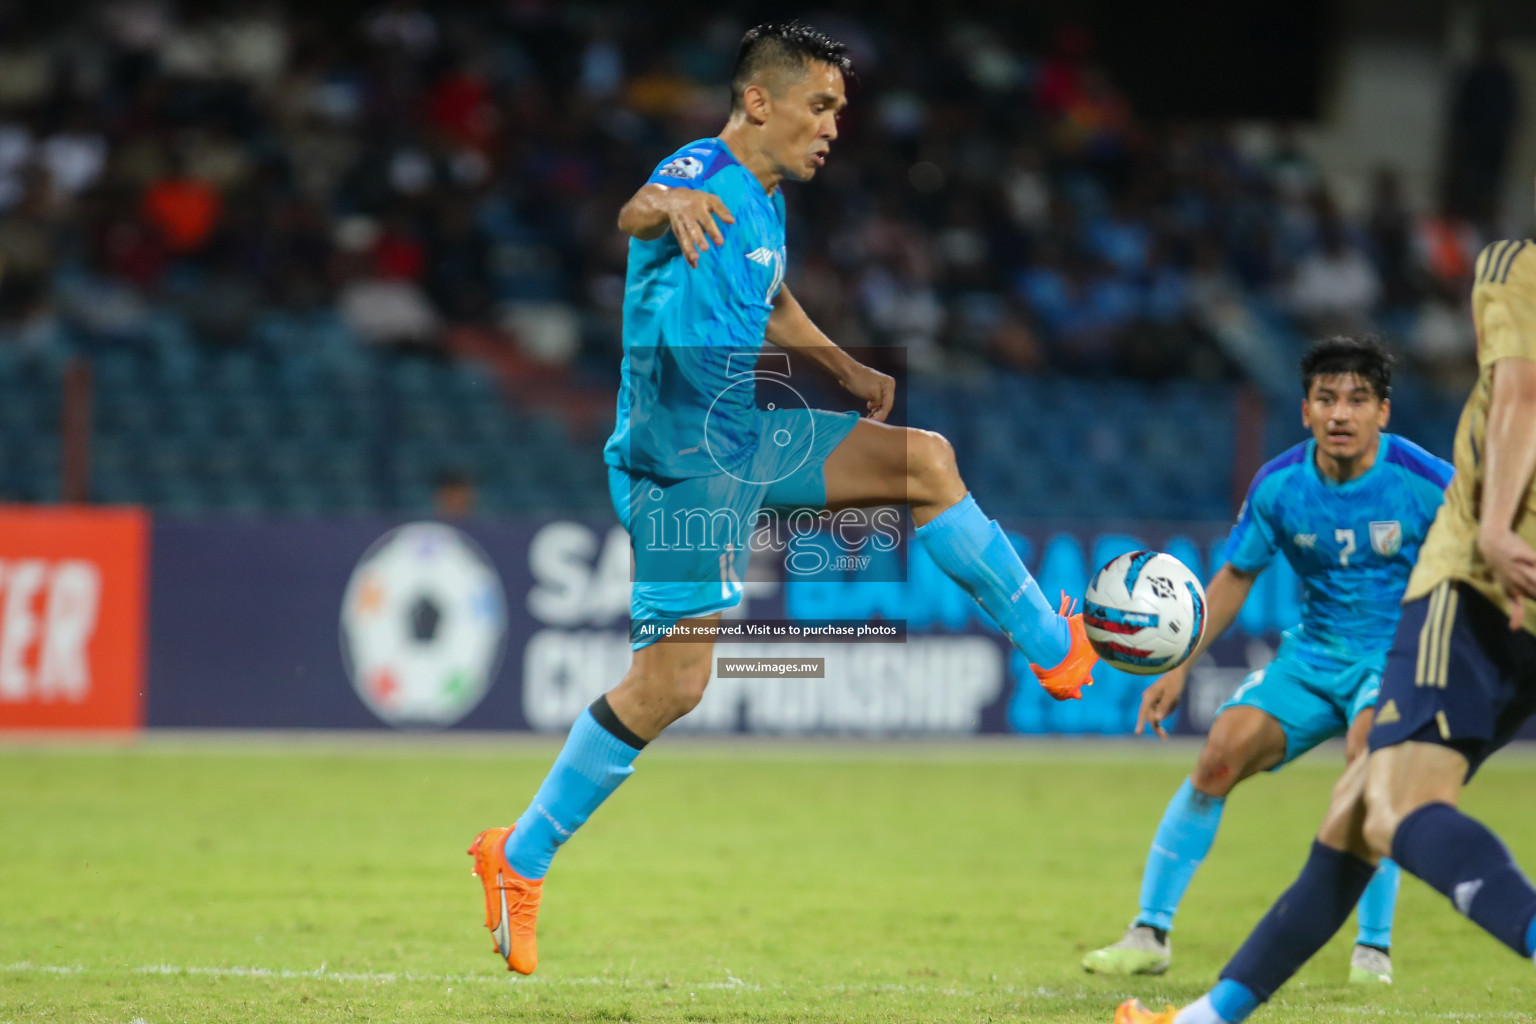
x,y
183,208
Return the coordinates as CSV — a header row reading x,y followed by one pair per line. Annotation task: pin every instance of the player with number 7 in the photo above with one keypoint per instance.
x,y
1348,509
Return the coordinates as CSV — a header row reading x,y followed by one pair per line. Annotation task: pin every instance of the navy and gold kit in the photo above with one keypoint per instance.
x,y
1457,675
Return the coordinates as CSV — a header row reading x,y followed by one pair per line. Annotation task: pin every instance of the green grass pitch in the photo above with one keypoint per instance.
x,y
209,879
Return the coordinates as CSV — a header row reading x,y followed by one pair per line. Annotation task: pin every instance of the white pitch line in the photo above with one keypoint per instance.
x,y
731,983
367,977
318,974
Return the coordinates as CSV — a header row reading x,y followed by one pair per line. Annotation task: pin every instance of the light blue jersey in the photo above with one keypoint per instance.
x,y
1352,544
679,415
692,450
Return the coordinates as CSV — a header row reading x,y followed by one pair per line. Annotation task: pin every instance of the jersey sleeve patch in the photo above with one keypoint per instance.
x,y
685,167
691,166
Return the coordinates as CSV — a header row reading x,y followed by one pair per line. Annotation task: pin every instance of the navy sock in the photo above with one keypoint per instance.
x,y
1301,922
1466,862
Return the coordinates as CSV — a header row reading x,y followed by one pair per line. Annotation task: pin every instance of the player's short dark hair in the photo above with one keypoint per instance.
x,y
783,46
1366,357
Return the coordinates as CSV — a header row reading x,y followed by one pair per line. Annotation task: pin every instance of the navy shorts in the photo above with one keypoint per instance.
x,y
1456,675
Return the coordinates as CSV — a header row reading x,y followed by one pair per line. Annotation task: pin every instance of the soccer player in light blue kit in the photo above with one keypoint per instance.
x,y
693,458
1348,509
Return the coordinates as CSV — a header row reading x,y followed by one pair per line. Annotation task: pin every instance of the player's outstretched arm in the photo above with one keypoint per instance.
x,y
688,213
790,328
1509,453
1223,600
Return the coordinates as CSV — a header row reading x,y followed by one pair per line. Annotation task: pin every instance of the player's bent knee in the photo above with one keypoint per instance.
x,y
667,690
1401,779
1381,821
1383,805
1215,776
1219,768
679,693
1228,757
689,689
1342,825
930,456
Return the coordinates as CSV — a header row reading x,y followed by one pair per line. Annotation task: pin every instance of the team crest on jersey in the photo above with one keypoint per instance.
x,y
684,167
1387,538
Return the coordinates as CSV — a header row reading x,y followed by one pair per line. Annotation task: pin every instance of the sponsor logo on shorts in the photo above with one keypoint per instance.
x,y
1388,714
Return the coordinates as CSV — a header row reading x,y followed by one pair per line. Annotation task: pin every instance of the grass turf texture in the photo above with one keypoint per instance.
x,y
217,880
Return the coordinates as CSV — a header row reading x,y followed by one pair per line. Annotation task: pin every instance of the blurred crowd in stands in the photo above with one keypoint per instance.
x,y
993,199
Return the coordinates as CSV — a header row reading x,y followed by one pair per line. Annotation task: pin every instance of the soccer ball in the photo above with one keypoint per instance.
x,y
1144,612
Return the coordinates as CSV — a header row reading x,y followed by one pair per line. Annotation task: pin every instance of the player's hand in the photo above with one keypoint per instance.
x,y
691,213
877,389
1514,569
1160,700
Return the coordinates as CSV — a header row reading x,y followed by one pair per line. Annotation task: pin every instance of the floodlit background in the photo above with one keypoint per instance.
x,y
334,261
309,343
276,279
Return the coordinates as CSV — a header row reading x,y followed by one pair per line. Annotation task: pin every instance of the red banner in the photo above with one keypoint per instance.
x,y
72,617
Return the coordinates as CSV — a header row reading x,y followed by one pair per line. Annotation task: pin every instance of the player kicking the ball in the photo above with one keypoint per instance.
x,y
691,450
1349,509
1459,683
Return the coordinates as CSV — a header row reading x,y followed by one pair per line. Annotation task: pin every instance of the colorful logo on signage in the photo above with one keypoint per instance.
x,y
423,625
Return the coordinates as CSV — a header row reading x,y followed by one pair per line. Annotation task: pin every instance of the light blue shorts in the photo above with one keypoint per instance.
x,y
691,537
1311,704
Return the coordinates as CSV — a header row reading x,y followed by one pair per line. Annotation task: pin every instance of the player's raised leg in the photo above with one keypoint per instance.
x,y
1412,793
1243,741
881,464
1441,714
665,681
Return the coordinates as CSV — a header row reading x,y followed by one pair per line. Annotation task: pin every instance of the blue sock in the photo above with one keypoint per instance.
x,y
1378,905
975,553
1301,922
1182,840
1227,1003
1233,1001
591,765
1459,857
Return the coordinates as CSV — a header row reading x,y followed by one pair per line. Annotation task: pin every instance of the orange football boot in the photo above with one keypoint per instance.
x,y
511,901
1133,1012
1066,681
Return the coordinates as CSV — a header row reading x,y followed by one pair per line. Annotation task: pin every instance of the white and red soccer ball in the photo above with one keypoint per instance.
x,y
1144,612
